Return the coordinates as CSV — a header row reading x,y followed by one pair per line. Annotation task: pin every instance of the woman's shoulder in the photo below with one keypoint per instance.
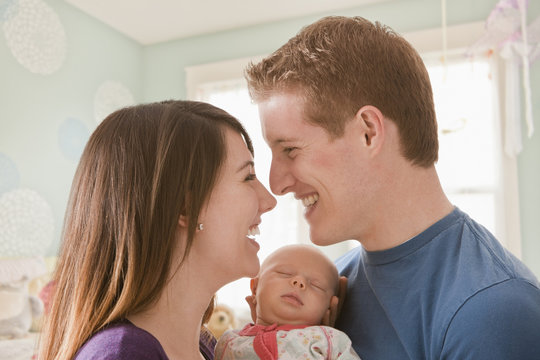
x,y
119,341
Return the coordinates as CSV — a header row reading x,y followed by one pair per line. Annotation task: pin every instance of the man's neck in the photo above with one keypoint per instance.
x,y
410,204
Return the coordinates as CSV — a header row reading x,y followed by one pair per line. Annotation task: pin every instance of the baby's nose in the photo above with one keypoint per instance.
x,y
298,282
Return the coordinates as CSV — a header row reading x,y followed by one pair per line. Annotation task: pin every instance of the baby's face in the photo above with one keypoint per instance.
x,y
295,286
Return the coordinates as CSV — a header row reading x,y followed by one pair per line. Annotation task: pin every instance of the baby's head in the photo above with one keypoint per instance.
x,y
294,286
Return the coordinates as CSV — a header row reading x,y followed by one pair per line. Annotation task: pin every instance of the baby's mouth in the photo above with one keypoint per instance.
x,y
292,298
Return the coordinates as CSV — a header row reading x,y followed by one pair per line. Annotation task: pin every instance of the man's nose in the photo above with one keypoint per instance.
x,y
281,179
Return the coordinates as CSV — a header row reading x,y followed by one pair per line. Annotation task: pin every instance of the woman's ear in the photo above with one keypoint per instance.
x,y
182,221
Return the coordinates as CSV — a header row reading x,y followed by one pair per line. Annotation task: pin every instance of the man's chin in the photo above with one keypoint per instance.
x,y
321,239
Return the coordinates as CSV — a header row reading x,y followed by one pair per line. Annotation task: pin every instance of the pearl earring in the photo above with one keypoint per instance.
x,y
200,227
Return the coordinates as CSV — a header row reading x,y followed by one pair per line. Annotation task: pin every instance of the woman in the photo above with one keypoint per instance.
x,y
162,213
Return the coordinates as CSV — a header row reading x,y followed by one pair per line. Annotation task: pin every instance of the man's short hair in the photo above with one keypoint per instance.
x,y
339,64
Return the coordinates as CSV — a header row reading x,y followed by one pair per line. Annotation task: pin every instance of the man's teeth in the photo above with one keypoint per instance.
x,y
253,231
310,200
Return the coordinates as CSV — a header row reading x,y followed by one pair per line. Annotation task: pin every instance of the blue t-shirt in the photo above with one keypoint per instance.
x,y
125,341
452,292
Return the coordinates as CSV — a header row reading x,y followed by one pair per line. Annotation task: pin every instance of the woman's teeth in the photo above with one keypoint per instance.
x,y
253,231
310,200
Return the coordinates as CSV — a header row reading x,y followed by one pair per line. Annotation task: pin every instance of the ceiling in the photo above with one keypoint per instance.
x,y
154,21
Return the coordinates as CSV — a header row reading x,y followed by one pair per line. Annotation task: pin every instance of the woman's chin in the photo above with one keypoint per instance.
x,y
254,271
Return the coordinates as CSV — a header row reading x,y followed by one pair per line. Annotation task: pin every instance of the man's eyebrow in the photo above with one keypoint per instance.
x,y
245,165
280,141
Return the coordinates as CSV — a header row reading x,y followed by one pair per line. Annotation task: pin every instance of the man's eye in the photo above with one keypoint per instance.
x,y
289,150
251,177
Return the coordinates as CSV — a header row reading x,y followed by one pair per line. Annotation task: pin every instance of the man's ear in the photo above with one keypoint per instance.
x,y
372,127
253,285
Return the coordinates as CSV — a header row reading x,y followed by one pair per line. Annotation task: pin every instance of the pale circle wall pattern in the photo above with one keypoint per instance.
x,y
109,97
9,174
26,223
72,137
35,36
4,6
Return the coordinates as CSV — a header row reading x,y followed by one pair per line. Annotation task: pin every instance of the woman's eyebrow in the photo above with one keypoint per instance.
x,y
245,165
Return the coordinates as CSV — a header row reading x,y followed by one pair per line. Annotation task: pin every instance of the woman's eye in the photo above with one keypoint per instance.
x,y
250,177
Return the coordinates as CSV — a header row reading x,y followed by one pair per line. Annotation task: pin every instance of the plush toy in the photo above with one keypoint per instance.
x,y
222,319
17,309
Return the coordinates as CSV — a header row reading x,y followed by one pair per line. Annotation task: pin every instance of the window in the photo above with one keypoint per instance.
x,y
474,172
467,136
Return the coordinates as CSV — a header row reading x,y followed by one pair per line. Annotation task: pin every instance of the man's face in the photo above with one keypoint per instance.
x,y
327,175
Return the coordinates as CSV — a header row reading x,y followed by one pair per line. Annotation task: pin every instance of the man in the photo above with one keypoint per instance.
x,y
346,107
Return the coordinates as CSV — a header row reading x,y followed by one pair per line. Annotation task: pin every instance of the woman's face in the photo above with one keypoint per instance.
x,y
226,244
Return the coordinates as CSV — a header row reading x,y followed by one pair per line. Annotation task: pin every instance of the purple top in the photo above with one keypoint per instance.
x,y
123,341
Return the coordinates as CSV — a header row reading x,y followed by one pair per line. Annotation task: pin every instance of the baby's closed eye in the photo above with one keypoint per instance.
x,y
318,286
284,273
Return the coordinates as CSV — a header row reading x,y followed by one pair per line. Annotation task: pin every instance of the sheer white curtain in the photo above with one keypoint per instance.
x,y
475,172
468,154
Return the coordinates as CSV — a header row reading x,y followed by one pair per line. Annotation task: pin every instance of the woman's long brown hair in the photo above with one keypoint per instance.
x,y
141,169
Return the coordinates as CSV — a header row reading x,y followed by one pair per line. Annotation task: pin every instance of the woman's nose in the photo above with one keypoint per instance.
x,y
298,282
266,201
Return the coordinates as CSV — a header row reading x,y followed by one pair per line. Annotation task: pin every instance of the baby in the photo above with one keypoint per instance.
x,y
292,294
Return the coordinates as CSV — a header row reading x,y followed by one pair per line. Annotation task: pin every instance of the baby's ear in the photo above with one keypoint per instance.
x,y
252,299
253,285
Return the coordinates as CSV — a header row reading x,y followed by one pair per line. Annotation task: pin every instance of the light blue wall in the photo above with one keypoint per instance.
x,y
164,63
164,75
33,107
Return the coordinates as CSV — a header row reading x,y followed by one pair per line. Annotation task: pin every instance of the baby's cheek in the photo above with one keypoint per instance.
x,y
329,300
